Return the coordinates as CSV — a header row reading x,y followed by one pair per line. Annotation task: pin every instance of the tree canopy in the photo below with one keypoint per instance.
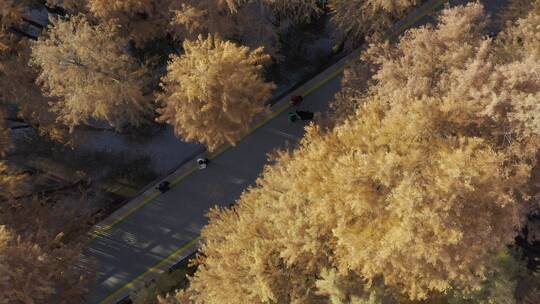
x,y
357,19
411,197
213,91
90,76
40,248
140,20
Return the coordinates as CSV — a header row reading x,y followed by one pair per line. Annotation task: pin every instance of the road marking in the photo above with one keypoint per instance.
x,y
420,15
132,283
101,231
286,135
310,90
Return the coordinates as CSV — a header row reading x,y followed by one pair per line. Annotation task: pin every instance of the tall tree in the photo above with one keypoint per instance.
x,y
40,246
514,10
11,12
356,19
401,201
141,20
213,91
86,69
31,273
216,17
229,19
455,59
19,93
411,196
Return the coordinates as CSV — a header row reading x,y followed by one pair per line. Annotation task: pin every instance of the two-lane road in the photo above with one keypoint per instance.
x,y
154,230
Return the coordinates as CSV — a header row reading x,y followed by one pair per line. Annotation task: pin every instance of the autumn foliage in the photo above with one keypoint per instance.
x,y
40,246
213,91
87,71
10,13
375,197
227,19
357,19
411,192
37,274
411,197
18,88
455,61
37,260
140,20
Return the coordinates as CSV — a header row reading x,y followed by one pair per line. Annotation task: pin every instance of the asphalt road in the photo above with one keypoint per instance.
x,y
173,219
154,231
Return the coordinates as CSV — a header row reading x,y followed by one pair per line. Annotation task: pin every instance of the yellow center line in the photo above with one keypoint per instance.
x,y
153,269
183,248
179,251
101,231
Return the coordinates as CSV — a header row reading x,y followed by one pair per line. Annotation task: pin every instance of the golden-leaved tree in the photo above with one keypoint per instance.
x,y
428,60
18,89
29,271
356,19
410,197
456,60
392,194
194,18
229,19
213,91
516,9
40,246
140,20
11,12
521,39
86,69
